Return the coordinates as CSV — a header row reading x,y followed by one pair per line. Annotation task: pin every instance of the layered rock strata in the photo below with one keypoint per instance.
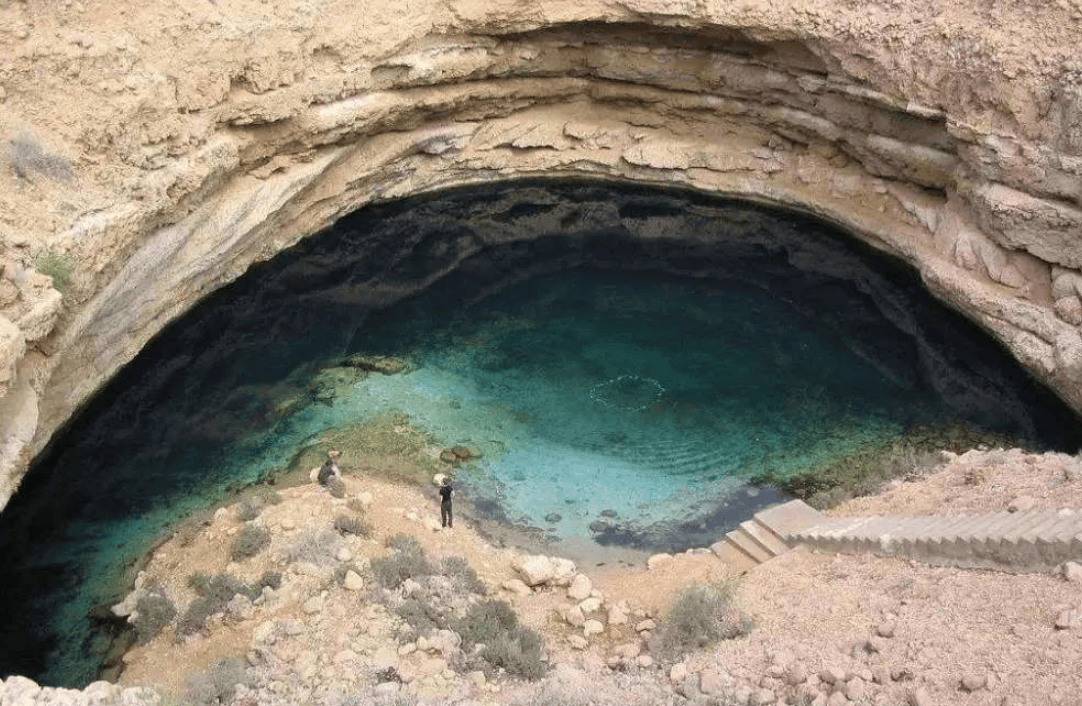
x,y
164,149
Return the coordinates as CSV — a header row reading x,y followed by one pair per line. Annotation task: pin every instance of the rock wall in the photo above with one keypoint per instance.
x,y
163,149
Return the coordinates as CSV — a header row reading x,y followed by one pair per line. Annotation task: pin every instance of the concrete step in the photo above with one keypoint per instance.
x,y
748,545
731,555
1020,541
764,538
790,517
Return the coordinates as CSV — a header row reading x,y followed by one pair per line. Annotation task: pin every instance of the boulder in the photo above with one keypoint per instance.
x,y
580,587
517,587
535,570
592,627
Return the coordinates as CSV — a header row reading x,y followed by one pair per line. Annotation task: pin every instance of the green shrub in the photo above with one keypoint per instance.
x,y
268,496
57,266
216,685
153,612
270,579
515,648
458,570
249,541
248,511
420,615
484,621
407,562
27,157
319,547
351,525
700,616
214,593
404,543
518,652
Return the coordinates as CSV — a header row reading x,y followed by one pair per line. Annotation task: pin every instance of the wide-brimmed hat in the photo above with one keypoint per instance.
x,y
334,453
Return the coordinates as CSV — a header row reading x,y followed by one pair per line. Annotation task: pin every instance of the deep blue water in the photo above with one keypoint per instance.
x,y
624,359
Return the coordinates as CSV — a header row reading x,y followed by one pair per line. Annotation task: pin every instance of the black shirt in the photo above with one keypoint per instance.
x,y
445,493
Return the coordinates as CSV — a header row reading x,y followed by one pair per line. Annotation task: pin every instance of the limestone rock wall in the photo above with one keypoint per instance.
x,y
164,148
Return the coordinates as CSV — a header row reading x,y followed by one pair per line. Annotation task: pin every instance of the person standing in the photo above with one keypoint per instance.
x,y
446,516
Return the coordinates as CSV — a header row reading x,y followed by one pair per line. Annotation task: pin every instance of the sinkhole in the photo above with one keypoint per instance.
x,y
630,368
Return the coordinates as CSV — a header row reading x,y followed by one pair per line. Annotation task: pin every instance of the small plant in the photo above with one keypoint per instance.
x,y
356,506
509,646
154,611
56,265
337,489
319,547
700,616
248,511
458,570
270,579
27,157
269,496
351,525
250,541
404,543
408,561
420,615
216,685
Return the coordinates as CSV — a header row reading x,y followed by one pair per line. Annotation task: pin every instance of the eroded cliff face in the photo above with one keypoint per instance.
x,y
165,148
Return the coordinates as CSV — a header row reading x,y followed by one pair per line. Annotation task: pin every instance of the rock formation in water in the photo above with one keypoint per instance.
x,y
157,151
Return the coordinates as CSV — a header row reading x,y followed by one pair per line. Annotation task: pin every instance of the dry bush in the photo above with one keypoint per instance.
x,y
216,685
250,541
153,612
319,547
700,616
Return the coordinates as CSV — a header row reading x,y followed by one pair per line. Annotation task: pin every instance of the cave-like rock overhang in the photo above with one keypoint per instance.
x,y
989,216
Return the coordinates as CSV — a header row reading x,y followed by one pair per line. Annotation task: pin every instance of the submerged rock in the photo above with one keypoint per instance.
x,y
459,454
384,364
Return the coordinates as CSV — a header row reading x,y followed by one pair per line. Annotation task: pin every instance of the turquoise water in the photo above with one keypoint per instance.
x,y
647,397
624,359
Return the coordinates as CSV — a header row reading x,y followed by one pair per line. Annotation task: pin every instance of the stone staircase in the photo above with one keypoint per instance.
x,y
1019,542
766,535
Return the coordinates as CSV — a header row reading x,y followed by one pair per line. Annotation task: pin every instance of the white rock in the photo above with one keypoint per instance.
x,y
578,642
647,624
617,615
535,570
313,605
592,627
658,560
590,605
365,498
580,587
563,570
517,586
678,673
352,582
432,524
344,554
574,617
1072,571
644,661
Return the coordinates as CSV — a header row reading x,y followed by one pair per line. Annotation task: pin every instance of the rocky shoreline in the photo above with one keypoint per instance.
x,y
331,633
